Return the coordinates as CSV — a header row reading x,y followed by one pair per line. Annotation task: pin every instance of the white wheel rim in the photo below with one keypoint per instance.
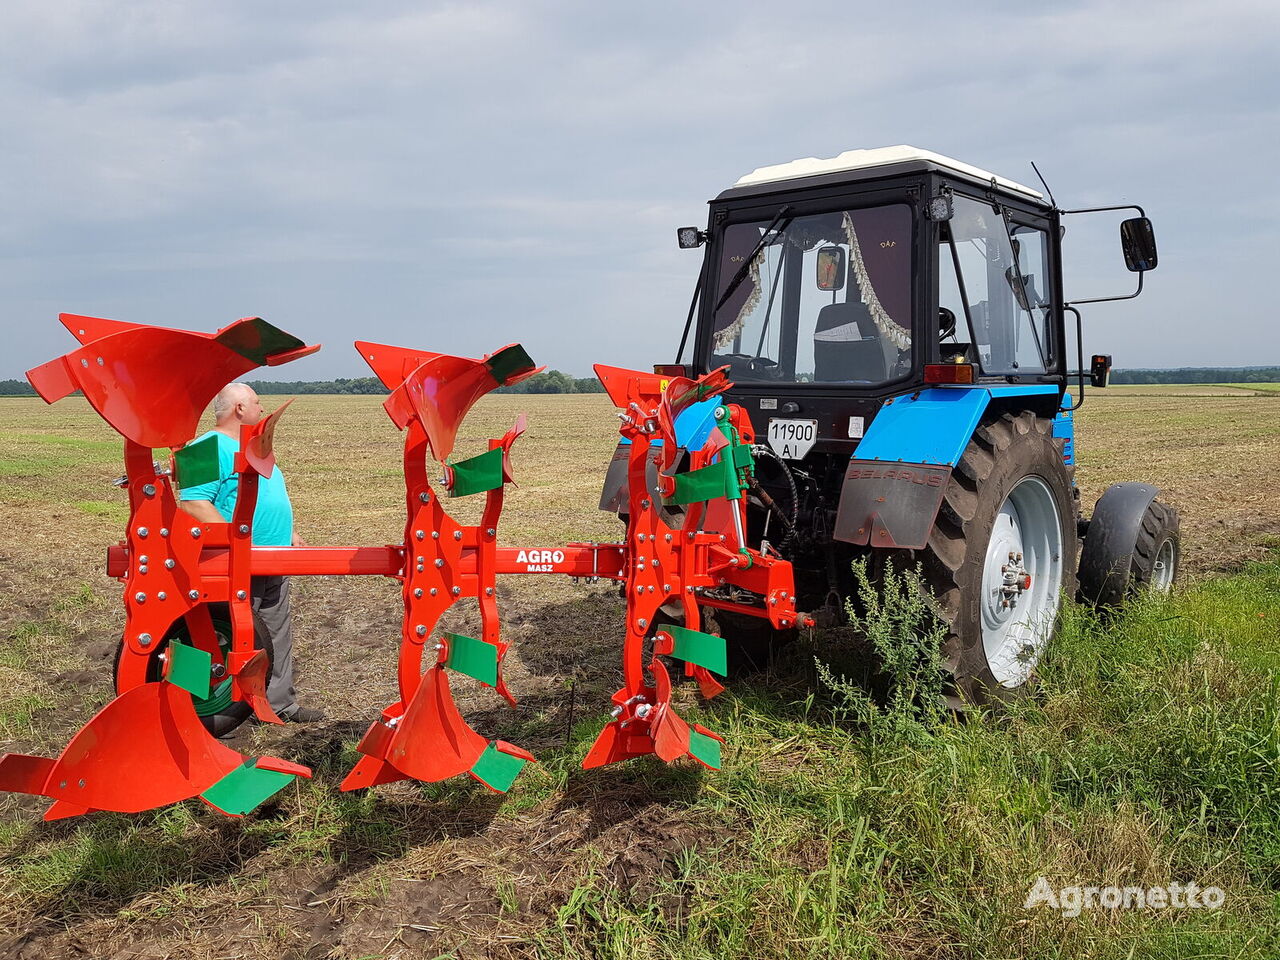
x,y
1017,620
1165,567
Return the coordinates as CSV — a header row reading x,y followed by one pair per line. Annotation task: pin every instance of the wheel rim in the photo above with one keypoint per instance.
x,y
1165,567
1017,617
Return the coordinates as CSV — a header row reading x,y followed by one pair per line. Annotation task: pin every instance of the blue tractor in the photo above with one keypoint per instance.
x,y
895,325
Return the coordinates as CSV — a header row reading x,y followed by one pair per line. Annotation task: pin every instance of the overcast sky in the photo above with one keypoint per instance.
x,y
458,176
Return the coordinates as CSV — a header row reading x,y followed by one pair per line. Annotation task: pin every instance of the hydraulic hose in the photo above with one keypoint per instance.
x,y
758,450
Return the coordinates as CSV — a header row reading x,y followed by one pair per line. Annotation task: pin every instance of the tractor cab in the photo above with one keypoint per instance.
x,y
830,285
884,314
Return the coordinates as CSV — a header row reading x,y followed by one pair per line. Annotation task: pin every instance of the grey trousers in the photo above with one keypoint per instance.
x,y
270,600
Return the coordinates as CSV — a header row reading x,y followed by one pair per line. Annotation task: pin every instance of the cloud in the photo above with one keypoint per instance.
x,y
459,175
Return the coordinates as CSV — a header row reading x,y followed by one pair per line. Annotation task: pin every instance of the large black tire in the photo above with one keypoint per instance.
x,y
220,722
1158,550
1003,452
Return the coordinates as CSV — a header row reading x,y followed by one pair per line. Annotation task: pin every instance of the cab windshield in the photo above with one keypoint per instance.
x,y
828,297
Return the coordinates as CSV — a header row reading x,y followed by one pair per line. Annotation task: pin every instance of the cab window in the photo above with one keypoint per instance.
x,y
828,297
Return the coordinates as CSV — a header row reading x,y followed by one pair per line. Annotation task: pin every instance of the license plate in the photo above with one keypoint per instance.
x,y
792,439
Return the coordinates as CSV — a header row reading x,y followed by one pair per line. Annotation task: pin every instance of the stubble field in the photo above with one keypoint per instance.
x,y
820,838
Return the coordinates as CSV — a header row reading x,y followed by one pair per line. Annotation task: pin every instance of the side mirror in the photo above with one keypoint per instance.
x,y
1138,241
831,268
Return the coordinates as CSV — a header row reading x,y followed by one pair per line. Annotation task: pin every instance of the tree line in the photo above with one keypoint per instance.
x,y
1199,375
549,381
555,381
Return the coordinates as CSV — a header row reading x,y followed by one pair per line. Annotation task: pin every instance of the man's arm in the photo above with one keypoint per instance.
x,y
203,510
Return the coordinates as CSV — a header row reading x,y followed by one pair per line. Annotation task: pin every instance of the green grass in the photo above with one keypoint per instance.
x,y
35,455
1259,387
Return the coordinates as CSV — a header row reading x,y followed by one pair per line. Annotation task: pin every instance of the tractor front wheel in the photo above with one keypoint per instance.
x,y
1002,553
1158,550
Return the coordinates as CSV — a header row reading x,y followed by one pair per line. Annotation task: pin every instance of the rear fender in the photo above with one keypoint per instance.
x,y
897,477
1107,557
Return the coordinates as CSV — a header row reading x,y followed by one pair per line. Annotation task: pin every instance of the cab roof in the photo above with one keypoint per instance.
x,y
875,162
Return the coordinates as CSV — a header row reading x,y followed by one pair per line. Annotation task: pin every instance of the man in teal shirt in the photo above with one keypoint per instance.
x,y
237,405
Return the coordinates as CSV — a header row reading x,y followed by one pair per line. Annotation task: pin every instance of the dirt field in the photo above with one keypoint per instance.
x,y
413,871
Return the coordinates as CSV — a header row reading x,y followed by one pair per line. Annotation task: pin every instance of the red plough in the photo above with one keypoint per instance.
x,y
182,658
148,747
422,735
685,541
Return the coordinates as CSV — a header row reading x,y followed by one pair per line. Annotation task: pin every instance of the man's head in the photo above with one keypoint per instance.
x,y
235,404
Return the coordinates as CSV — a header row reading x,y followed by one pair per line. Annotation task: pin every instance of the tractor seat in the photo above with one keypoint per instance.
x,y
846,345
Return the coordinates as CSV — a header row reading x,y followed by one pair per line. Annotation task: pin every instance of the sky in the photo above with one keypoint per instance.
x,y
458,176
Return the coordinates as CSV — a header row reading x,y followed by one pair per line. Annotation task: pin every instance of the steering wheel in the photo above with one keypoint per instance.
x,y
761,367
946,323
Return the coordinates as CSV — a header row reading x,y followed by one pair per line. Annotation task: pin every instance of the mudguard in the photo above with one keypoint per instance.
x,y
896,479
1107,558
890,506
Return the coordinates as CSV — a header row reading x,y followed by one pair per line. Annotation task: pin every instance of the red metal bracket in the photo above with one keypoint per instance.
x,y
423,735
677,557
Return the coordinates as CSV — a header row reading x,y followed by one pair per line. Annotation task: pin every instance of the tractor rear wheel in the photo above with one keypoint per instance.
x,y
1002,553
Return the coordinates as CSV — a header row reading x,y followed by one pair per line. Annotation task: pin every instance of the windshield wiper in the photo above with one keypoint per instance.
x,y
746,264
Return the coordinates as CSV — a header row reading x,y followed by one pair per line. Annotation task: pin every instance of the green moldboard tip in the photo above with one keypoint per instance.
x,y
477,474
475,658
507,363
244,788
706,749
258,340
498,769
197,463
711,482
189,669
702,649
